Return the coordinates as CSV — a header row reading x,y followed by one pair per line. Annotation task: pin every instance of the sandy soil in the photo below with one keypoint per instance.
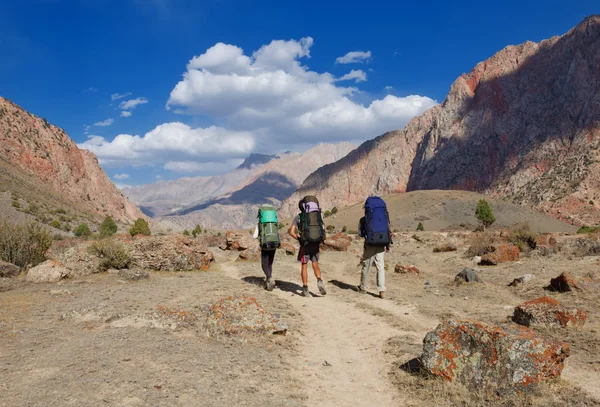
x,y
98,340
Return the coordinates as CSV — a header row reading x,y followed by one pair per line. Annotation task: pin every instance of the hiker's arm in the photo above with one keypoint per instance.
x,y
293,232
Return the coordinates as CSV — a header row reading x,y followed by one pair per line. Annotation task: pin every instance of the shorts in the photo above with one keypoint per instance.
x,y
307,253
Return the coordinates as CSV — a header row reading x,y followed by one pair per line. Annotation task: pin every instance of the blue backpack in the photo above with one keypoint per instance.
x,y
377,222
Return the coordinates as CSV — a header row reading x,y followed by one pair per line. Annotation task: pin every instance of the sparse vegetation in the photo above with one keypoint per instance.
x,y
55,224
334,210
591,202
481,243
24,245
522,237
330,228
108,227
16,204
588,229
280,225
140,227
353,232
484,214
113,253
420,226
327,214
186,232
82,230
344,228
197,230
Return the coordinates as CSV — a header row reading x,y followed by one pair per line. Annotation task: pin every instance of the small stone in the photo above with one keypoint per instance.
x,y
523,279
468,275
8,269
447,247
407,269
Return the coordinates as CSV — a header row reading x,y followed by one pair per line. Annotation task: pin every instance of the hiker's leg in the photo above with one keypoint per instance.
x,y
366,267
264,261
304,274
379,262
316,269
270,261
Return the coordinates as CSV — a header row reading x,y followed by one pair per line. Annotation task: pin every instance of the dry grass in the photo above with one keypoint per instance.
x,y
24,245
481,243
113,253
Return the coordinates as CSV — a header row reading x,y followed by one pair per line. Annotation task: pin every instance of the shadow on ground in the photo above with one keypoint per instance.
x,y
413,366
352,287
286,286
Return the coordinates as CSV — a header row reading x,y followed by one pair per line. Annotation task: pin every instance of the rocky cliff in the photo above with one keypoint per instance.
x,y
524,124
35,147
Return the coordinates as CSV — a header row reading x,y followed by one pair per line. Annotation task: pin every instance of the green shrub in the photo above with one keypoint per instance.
x,y
66,227
60,211
24,245
55,224
591,202
588,229
140,227
33,209
186,232
330,228
522,237
420,226
334,210
484,213
16,204
82,230
280,225
353,232
108,227
219,234
344,228
197,230
113,253
327,214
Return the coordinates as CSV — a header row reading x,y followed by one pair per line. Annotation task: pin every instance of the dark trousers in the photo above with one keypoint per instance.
x,y
266,259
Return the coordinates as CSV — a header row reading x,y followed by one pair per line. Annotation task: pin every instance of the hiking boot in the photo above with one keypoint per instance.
x,y
305,292
382,294
360,289
321,286
270,284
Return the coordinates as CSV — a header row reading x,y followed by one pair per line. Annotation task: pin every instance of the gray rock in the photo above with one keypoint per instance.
x,y
8,269
49,271
133,275
520,280
468,275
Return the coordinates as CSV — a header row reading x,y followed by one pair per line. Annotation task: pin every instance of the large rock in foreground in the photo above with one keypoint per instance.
x,y
49,271
496,358
501,254
546,311
338,242
8,269
171,253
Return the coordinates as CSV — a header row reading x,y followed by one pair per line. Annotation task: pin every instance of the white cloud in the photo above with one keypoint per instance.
x,y
132,103
357,75
273,96
125,113
86,129
91,89
203,167
171,142
104,123
354,57
122,186
117,96
388,88
121,176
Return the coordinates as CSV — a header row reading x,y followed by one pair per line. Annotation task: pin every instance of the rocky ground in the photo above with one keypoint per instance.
x,y
105,339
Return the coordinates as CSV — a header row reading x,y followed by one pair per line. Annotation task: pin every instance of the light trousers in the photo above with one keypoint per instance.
x,y
373,254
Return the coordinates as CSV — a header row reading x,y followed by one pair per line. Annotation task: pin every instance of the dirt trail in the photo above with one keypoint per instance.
x,y
342,362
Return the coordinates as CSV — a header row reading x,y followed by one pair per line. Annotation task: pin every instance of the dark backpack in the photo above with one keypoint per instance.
x,y
311,222
377,222
268,230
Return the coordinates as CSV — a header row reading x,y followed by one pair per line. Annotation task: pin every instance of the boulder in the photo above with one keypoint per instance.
x,y
8,269
446,247
239,241
546,240
520,280
564,283
252,254
171,253
407,269
49,271
289,248
546,311
501,254
338,242
242,315
467,275
498,359
133,275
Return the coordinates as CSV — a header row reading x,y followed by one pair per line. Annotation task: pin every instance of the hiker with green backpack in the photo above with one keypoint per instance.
x,y
267,231
307,227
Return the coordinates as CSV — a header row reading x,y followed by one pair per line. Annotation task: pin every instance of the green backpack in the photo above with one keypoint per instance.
x,y
268,230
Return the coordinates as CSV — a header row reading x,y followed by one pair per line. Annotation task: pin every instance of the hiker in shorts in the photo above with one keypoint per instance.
x,y
309,250
374,227
267,232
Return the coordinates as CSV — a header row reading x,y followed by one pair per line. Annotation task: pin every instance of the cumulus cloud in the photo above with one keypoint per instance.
x,y
357,75
104,123
117,96
132,103
121,176
354,57
125,113
171,143
273,94
203,167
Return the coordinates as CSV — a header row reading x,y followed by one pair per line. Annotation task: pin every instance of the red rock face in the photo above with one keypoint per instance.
x,y
407,269
501,254
45,151
498,359
546,311
524,124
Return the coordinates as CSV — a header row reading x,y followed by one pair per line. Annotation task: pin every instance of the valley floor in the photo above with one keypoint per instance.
x,y
102,341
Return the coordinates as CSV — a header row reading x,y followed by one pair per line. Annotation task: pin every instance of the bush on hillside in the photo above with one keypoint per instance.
x,y
24,245
327,214
55,224
334,210
588,229
330,228
108,227
186,232
140,227
113,253
522,237
484,213
197,230
82,230
420,226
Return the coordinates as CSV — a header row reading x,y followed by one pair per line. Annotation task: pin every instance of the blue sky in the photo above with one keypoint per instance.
x,y
260,75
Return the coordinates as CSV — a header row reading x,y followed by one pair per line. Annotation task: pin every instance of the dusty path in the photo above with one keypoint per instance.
x,y
342,362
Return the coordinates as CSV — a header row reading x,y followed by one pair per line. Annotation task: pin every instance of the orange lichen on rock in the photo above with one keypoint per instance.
x,y
546,311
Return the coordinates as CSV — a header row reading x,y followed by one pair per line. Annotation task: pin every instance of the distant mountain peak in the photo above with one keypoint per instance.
x,y
255,159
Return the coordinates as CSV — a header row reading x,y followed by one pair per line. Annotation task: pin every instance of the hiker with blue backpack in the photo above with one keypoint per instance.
x,y
267,231
375,228
307,227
